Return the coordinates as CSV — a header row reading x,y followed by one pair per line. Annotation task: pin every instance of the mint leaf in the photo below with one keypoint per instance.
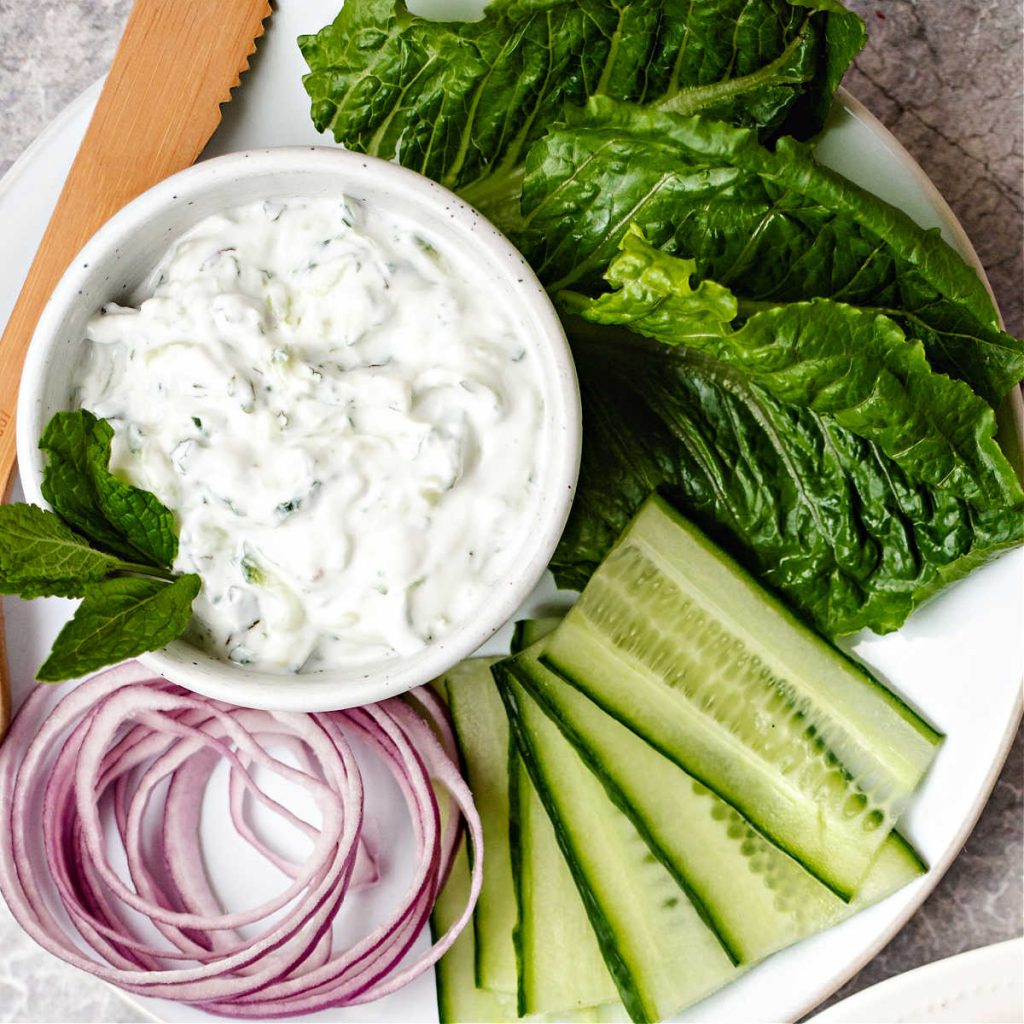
x,y
40,556
67,481
117,561
119,619
114,515
142,519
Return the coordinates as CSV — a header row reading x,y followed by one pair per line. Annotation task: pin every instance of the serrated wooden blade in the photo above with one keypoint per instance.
x,y
177,62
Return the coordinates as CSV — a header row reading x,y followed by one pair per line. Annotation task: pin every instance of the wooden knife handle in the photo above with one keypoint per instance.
x,y
5,689
177,62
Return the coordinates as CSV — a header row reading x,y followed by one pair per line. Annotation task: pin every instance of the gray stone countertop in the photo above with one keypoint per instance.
x,y
946,78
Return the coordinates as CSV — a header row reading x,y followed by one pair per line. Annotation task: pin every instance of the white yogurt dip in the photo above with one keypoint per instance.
x,y
343,419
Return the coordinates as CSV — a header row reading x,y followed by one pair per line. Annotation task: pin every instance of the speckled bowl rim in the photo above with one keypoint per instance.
x,y
361,175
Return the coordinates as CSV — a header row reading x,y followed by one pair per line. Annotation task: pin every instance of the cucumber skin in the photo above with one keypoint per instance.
x,y
879,882
605,933
515,842
659,951
526,803
528,632
467,689
461,997
459,1000
660,521
516,669
902,708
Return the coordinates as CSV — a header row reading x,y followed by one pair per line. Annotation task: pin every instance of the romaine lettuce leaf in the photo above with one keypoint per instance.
x,y
461,102
771,226
812,441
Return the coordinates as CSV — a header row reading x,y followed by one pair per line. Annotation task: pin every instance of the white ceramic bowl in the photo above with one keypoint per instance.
x,y
116,261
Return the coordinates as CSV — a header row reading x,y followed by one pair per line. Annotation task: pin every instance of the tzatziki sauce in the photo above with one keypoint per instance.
x,y
343,419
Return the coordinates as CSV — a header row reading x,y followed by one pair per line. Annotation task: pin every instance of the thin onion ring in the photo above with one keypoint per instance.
x,y
125,733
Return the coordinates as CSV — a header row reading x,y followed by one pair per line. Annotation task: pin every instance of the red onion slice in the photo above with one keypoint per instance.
x,y
126,738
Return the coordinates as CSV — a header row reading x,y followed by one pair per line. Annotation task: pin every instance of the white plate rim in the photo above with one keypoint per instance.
x,y
898,991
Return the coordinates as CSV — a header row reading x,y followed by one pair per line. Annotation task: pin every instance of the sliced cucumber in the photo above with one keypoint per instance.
x,y
756,898
657,948
676,641
527,632
560,965
481,730
478,979
459,1000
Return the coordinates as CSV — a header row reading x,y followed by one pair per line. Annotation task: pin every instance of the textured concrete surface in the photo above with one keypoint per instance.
x,y
946,77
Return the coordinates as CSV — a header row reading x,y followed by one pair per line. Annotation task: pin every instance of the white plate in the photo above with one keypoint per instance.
x,y
981,986
959,660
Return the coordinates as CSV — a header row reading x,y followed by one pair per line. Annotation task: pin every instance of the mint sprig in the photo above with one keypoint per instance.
x,y
80,488
119,618
105,541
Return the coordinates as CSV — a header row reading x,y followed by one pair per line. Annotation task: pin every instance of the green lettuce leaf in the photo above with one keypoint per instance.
x,y
461,102
827,356
774,227
812,441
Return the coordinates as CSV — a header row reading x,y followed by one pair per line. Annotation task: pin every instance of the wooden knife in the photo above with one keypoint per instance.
x,y
177,62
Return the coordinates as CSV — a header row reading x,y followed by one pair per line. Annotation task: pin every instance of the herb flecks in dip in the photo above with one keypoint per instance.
x,y
343,418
